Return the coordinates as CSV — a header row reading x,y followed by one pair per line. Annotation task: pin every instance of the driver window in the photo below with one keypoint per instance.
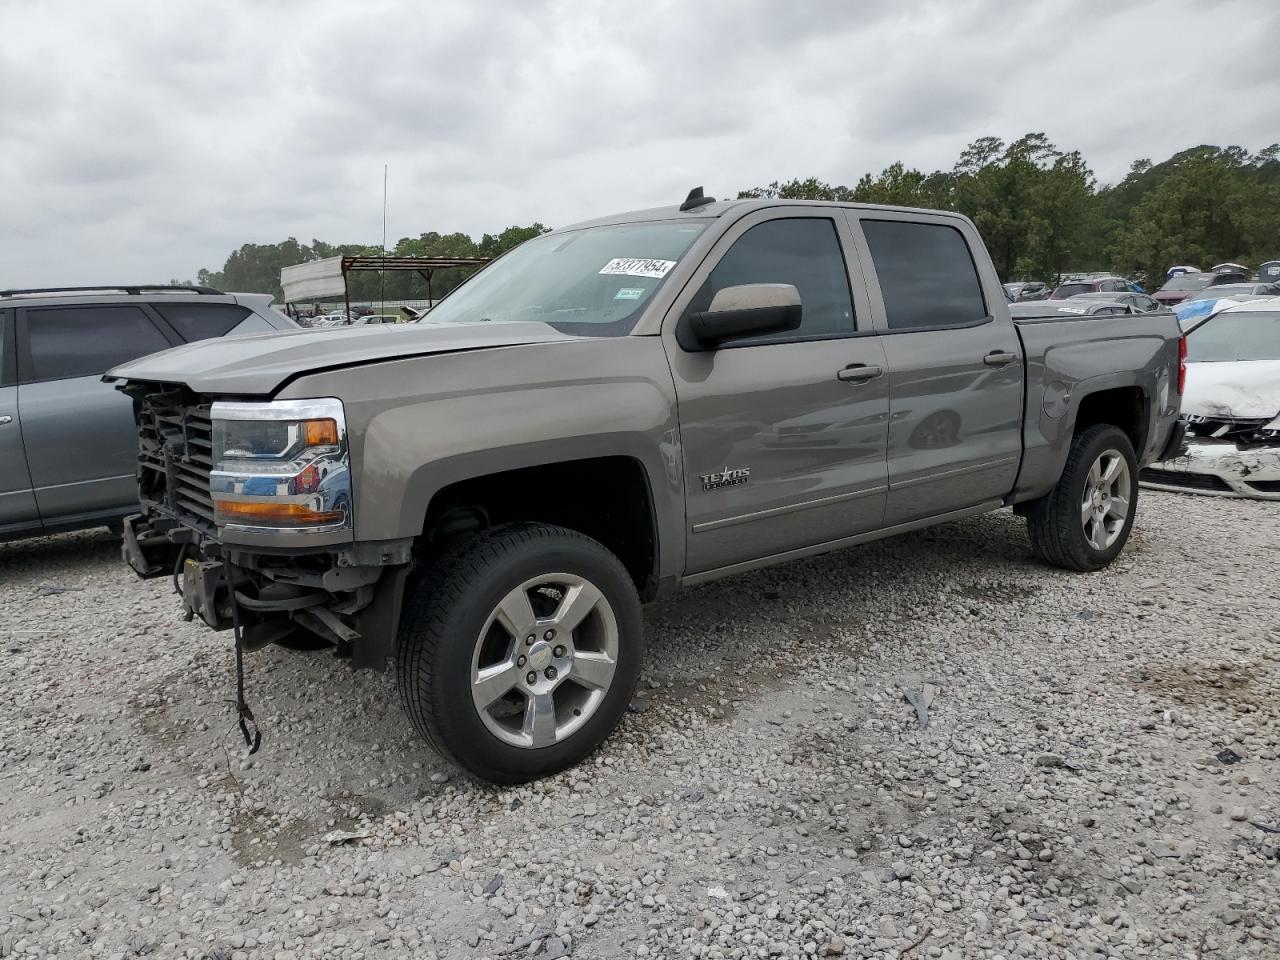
x,y
802,251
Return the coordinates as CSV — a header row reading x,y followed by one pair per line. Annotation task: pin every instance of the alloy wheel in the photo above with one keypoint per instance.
x,y
544,660
1107,495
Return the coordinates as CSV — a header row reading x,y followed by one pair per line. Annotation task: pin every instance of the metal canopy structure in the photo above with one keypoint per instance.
x,y
318,279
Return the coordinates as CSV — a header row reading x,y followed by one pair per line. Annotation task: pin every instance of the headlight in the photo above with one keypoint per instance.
x,y
1271,432
282,465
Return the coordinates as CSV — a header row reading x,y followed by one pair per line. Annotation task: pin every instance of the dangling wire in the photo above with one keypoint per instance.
x,y
243,714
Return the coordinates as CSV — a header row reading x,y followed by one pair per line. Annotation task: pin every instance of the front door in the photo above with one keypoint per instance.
x,y
783,436
955,368
17,503
79,433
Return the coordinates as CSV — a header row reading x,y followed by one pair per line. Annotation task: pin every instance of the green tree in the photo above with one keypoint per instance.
x,y
1034,205
1203,206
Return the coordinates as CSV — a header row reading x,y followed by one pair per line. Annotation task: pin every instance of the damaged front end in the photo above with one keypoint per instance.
x,y
249,507
1224,455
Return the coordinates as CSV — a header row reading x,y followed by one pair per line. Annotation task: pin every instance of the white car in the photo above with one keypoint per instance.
x,y
1231,404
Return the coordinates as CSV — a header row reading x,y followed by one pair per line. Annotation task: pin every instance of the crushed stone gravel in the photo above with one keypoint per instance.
x,y
1098,776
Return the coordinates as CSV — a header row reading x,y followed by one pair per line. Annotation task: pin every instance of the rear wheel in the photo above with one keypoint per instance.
x,y
1084,521
520,651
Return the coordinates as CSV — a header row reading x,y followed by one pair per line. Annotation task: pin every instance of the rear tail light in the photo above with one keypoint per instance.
x,y
1182,364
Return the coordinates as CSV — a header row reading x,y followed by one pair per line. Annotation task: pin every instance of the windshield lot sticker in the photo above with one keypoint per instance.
x,y
638,267
629,293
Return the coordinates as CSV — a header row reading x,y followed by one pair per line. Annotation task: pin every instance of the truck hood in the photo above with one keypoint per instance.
x,y
1244,389
259,364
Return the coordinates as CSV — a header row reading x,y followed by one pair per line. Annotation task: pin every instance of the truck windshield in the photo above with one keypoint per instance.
x,y
591,282
1236,336
1187,282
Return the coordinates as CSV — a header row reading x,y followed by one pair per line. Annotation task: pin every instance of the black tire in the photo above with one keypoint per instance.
x,y
1054,521
442,624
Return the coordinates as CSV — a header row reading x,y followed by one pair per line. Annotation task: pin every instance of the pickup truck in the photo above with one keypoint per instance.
x,y
609,412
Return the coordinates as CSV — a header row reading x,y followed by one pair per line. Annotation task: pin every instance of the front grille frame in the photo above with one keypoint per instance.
x,y
175,455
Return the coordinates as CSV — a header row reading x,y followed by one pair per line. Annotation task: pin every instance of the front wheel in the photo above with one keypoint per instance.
x,y
520,651
1084,522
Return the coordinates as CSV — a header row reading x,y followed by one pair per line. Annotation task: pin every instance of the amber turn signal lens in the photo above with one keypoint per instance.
x,y
320,433
293,514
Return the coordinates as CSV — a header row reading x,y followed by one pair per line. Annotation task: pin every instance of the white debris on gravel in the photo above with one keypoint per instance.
x,y
1098,777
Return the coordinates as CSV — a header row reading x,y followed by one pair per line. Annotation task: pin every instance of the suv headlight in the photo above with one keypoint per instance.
x,y
281,465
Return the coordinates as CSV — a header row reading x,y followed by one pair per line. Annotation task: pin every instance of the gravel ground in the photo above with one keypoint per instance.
x,y
1098,776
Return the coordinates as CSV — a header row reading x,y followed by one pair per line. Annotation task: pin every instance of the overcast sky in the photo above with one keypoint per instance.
x,y
142,141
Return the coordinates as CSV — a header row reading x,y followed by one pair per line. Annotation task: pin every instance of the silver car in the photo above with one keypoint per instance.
x,y
68,444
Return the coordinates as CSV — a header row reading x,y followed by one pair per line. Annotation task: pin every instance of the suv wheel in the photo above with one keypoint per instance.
x,y
520,650
1084,521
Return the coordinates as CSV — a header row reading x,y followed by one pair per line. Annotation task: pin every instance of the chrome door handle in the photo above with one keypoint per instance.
x,y
999,358
5,420
859,372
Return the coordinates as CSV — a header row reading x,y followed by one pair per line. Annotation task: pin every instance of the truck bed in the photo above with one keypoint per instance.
x,y
1063,355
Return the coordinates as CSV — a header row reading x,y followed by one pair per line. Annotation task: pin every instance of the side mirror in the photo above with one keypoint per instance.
x,y
747,310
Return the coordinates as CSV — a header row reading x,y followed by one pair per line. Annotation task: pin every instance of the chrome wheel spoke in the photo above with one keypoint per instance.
x,y
579,600
592,670
540,719
1086,508
1095,473
515,613
493,683
1118,508
1097,534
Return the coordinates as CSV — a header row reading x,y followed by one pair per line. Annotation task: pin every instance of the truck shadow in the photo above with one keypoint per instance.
x,y
66,553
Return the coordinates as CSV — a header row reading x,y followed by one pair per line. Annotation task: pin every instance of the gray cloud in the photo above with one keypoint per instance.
x,y
143,140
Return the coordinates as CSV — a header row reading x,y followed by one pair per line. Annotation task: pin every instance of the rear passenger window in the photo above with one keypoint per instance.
x,y
201,321
805,252
66,342
927,275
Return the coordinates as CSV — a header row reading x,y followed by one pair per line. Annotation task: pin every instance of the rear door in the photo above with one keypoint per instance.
x,y
783,437
17,502
954,360
78,431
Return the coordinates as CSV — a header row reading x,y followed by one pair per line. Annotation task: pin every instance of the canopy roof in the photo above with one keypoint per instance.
x,y
318,279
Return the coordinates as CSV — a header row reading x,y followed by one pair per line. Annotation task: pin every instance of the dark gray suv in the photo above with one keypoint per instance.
x,y
68,445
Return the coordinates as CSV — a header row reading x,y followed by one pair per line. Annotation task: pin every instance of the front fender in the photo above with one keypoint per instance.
x,y
420,425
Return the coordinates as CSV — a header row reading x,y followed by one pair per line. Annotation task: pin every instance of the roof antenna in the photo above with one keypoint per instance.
x,y
695,199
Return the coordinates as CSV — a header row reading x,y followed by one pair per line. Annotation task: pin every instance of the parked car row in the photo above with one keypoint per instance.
x,y
1182,282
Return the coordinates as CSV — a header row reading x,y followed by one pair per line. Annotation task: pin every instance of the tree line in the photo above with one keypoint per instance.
x,y
1043,214
255,267
1039,208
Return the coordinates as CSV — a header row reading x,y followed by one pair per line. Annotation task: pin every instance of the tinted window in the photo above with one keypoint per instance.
x,y
804,252
84,341
201,321
1067,290
926,272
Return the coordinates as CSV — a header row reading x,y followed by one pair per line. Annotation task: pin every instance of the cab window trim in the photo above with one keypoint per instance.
x,y
848,260
856,220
